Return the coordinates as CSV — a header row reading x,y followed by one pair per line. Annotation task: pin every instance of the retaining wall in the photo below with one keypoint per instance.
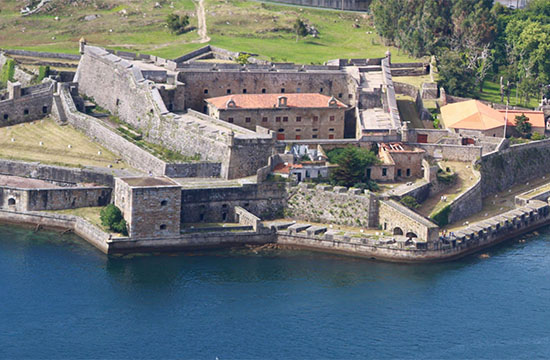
x,y
34,103
451,152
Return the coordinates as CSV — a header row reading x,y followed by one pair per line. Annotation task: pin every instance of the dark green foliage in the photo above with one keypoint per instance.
x,y
536,136
445,177
7,73
523,126
409,202
441,218
176,23
352,163
111,217
300,29
454,74
43,72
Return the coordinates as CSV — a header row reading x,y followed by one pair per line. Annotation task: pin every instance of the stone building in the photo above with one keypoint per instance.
x,y
293,116
397,162
150,205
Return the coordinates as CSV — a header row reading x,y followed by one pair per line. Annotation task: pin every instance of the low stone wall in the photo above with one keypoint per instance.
x,y
56,174
413,92
193,170
451,152
247,218
338,205
53,199
541,193
39,54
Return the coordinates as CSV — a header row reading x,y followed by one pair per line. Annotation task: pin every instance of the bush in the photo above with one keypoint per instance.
x,y
441,218
111,218
177,23
409,202
536,136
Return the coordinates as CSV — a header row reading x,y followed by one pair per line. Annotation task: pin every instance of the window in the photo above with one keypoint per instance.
x,y
163,227
314,136
117,102
332,118
205,109
316,118
26,112
384,172
331,136
44,109
281,130
282,90
6,116
285,118
206,91
298,118
230,120
247,119
315,129
298,130
298,90
244,91
11,201
321,90
399,172
277,119
331,129
263,91
408,172
298,137
228,91
163,202
350,96
308,174
264,119
340,95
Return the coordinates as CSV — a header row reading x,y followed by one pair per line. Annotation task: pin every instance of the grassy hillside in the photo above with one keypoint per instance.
x,y
263,28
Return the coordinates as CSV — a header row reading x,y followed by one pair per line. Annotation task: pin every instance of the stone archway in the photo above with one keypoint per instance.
x,y
411,235
397,231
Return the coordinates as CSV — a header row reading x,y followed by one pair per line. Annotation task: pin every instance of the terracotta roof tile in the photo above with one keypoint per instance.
x,y
269,101
536,118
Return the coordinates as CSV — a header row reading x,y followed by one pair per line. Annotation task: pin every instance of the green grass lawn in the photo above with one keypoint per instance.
x,y
238,25
491,92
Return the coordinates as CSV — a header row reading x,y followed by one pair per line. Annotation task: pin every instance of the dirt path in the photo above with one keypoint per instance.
x,y
201,17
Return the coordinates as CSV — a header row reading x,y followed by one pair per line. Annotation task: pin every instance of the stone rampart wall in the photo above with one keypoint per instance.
x,y
38,54
53,199
125,92
56,174
515,165
244,217
131,153
466,204
33,106
325,204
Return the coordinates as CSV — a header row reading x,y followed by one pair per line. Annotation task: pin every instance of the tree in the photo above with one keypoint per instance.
x,y
523,126
176,23
455,75
300,29
409,202
111,217
352,163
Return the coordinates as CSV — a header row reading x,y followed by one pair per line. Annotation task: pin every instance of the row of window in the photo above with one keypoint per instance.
x,y
279,119
281,130
385,172
26,112
298,90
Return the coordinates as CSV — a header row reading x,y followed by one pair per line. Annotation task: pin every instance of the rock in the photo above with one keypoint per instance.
x,y
91,17
157,5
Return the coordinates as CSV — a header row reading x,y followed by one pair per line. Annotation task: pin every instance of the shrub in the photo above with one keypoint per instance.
x,y
176,23
409,202
111,217
441,218
536,136
243,58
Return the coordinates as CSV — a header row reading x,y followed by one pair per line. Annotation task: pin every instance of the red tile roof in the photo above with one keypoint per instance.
x,y
536,118
285,168
269,101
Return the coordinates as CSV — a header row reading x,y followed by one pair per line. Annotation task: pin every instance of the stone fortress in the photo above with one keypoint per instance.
x,y
226,193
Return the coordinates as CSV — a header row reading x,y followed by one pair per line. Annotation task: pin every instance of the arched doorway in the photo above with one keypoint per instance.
x,y
411,235
397,231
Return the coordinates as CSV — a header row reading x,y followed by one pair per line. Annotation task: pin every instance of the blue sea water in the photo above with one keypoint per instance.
x,y
62,299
